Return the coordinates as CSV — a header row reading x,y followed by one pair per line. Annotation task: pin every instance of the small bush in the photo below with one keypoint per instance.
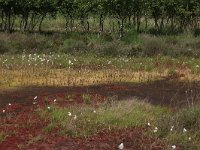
x,y
165,31
132,37
4,47
135,51
31,43
154,46
187,119
73,46
112,49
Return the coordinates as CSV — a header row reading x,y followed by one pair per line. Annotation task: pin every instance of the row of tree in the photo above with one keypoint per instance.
x,y
182,14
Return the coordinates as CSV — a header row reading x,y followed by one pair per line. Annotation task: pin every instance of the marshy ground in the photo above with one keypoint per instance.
x,y
99,92
73,106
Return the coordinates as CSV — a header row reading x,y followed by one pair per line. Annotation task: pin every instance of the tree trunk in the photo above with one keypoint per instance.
x,y
161,24
156,23
30,28
25,23
101,26
172,23
41,21
82,23
134,18
8,29
88,26
146,23
121,31
113,26
138,22
71,24
2,20
5,22
13,23
129,21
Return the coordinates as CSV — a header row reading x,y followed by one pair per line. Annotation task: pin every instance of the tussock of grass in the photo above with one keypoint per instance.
x,y
188,119
2,137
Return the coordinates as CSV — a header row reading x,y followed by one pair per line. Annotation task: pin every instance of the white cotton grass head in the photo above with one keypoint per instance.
x,y
4,111
173,146
149,124
35,97
184,130
172,128
9,104
155,130
75,117
54,100
69,114
121,146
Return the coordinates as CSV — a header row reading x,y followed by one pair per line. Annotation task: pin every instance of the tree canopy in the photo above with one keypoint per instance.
x,y
183,14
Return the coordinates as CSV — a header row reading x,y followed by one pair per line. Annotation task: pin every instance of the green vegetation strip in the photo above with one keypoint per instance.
x,y
87,120
181,128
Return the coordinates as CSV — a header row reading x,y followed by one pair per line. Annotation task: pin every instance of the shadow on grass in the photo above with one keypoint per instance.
x,y
174,94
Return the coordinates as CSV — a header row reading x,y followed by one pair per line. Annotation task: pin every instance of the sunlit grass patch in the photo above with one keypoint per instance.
x,y
72,77
68,70
84,121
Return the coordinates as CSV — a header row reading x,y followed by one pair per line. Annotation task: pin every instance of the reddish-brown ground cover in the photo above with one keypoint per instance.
x,y
25,127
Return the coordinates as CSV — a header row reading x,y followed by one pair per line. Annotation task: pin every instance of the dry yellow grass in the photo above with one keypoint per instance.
x,y
74,77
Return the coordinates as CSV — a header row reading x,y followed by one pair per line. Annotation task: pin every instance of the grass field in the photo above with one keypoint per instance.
x,y
81,91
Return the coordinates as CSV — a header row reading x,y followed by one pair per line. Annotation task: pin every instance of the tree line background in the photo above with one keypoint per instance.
x,y
28,15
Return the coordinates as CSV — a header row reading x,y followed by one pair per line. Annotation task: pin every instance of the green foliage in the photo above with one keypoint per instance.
x,y
196,32
90,120
75,43
182,127
132,37
73,46
176,14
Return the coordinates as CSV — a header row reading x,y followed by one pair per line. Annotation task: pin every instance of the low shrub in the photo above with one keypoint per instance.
x,y
182,127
